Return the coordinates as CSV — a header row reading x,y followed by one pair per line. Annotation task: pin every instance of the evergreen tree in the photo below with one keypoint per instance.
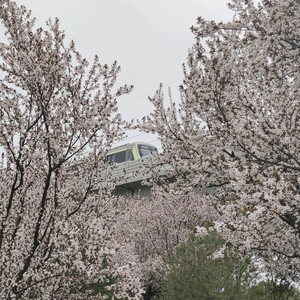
x,y
195,274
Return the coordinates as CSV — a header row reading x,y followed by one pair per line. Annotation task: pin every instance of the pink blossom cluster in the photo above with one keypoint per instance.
x,y
237,127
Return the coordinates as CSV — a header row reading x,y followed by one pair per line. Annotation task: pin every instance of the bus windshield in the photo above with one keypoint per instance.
x,y
145,150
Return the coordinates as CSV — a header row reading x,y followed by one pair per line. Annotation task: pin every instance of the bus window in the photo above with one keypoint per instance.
x,y
145,150
110,159
129,155
120,156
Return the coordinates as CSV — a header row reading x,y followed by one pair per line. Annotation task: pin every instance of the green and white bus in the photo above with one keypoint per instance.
x,y
130,152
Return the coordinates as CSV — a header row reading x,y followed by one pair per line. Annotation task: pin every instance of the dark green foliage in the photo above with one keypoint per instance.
x,y
99,287
273,290
152,292
194,275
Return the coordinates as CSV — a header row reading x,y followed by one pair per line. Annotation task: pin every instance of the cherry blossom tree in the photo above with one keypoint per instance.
x,y
55,234
237,127
155,228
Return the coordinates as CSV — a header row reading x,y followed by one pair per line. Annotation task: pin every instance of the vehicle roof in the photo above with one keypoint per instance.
x,y
126,146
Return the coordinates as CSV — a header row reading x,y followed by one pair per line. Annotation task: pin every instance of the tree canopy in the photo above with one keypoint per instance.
x,y
54,233
237,127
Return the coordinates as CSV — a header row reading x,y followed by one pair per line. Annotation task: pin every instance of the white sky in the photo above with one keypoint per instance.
x,y
148,38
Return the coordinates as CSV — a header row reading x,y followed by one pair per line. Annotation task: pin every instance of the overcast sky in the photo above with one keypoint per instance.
x,y
148,38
